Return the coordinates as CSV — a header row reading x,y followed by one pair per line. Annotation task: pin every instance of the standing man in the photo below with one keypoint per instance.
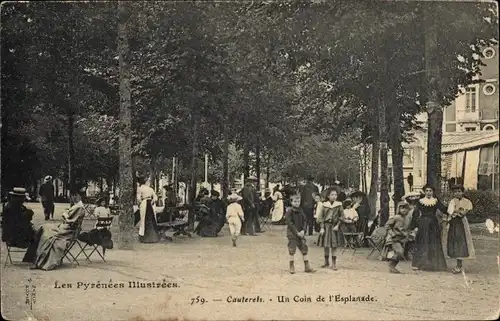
x,y
47,195
249,206
410,181
307,203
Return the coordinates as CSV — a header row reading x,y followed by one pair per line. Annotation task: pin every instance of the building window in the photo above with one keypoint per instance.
x,y
489,89
470,129
450,128
489,53
470,96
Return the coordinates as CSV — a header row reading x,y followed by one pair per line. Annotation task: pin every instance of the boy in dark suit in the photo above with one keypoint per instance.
x,y
296,222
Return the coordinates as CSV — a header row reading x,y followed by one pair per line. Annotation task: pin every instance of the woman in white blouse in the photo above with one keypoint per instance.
x,y
278,208
146,198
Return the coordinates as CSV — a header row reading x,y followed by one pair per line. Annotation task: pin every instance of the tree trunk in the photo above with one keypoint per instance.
x,y
384,179
225,164
397,158
375,154
71,152
365,167
109,183
268,169
434,111
152,174
126,215
257,163
246,161
134,175
194,171
57,188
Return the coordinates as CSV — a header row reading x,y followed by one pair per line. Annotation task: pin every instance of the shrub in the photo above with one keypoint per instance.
x,y
486,205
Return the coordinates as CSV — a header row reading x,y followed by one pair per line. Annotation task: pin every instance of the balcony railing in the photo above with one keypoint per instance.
x,y
463,116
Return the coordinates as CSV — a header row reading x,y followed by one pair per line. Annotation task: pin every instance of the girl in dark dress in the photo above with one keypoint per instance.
x,y
428,254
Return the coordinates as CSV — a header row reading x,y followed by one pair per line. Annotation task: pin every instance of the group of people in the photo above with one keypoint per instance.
x,y
431,238
415,224
332,214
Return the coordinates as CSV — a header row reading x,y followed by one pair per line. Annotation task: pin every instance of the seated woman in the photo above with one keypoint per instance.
x,y
218,207
17,229
148,228
47,251
209,220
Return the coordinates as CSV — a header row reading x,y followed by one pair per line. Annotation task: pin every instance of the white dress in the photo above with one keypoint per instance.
x,y
278,208
145,193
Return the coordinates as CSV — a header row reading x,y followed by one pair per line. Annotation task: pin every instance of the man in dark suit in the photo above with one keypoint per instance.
x,y
250,207
307,203
47,195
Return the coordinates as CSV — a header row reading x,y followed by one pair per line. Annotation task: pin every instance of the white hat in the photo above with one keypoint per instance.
x,y
411,195
18,191
234,197
48,178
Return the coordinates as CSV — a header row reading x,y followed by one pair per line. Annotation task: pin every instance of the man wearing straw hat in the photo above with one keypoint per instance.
x,y
47,195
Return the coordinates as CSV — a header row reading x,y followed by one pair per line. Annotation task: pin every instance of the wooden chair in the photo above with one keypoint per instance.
x,y
72,241
102,223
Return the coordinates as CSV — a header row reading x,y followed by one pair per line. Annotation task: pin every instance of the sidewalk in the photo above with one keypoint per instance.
x,y
210,269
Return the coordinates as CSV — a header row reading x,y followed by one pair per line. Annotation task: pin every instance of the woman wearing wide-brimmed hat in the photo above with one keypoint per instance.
x,y
47,195
362,207
235,216
17,229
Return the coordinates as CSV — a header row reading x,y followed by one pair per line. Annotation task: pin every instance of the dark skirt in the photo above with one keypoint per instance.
x,y
151,234
331,238
428,252
457,243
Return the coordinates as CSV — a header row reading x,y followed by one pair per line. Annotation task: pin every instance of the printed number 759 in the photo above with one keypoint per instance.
x,y
198,300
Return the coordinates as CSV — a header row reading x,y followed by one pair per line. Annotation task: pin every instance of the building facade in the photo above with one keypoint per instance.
x,y
476,108
470,136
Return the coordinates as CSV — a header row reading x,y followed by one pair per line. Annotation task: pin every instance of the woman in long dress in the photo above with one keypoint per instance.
x,y
278,210
428,253
47,251
148,228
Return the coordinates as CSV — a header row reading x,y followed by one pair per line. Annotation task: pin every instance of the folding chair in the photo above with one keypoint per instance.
x,y
358,236
102,223
377,240
265,221
89,211
10,250
72,241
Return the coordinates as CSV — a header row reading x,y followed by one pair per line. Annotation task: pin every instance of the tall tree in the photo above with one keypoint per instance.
x,y
434,111
126,218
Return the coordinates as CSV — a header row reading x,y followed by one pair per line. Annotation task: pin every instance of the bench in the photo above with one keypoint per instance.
x,y
177,220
